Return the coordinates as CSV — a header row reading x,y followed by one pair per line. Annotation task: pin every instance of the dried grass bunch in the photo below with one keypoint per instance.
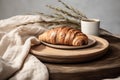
x,y
66,16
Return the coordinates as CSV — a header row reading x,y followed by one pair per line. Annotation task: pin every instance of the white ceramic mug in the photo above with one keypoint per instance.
x,y
90,26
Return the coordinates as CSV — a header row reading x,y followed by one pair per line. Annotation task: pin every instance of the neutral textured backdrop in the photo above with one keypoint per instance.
x,y
108,11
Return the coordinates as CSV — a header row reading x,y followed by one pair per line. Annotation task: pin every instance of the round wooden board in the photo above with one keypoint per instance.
x,y
48,54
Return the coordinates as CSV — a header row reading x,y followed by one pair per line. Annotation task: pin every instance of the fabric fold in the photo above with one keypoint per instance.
x,y
16,62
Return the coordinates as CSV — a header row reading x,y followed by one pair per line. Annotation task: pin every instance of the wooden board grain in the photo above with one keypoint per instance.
x,y
48,54
107,66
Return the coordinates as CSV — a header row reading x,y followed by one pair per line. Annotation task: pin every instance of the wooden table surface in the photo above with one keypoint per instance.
x,y
108,66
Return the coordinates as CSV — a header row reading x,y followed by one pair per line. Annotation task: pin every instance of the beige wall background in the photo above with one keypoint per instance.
x,y
108,11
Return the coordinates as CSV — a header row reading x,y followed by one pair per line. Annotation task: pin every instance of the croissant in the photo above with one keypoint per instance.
x,y
64,36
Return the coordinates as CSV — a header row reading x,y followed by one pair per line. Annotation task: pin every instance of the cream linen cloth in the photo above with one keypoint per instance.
x,y
16,39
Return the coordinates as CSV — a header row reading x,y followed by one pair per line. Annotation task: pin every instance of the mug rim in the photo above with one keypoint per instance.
x,y
91,20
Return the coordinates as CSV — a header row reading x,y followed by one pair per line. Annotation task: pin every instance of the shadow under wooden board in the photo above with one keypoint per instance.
x,y
49,54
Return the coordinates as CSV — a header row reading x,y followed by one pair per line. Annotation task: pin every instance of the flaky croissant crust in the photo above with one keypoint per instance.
x,y
65,36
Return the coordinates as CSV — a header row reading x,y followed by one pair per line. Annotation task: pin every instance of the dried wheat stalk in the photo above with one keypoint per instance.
x,y
80,14
67,15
